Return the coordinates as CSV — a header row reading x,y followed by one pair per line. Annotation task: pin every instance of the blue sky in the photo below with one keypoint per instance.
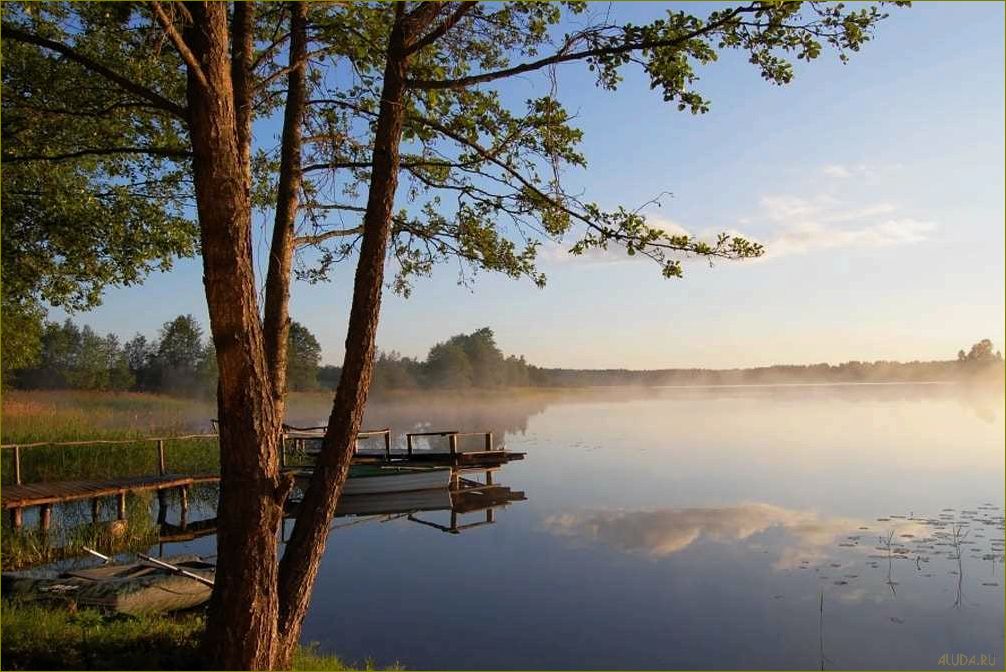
x,y
876,186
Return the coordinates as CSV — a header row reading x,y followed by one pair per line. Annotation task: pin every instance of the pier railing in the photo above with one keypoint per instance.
x,y
158,441
297,435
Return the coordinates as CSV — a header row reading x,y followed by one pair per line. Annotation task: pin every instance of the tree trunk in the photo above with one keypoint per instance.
x,y
277,288
304,550
242,623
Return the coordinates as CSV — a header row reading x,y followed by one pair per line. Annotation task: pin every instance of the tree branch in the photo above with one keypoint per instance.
x,y
155,98
180,46
319,238
166,152
442,29
561,57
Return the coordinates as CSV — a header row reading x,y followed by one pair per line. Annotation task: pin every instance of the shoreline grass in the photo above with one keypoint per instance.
x,y
43,637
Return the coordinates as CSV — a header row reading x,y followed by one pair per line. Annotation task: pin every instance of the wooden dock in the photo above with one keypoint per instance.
x,y
19,496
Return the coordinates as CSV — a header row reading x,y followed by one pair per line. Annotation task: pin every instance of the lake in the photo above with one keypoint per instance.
x,y
806,526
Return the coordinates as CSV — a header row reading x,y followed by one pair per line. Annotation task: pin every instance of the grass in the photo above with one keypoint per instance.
x,y
40,637
36,416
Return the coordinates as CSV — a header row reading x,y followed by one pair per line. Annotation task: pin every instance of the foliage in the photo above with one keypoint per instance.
x,y
980,353
180,362
74,223
303,358
20,337
179,356
92,109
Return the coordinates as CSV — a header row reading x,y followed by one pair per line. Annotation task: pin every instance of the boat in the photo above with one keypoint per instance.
x,y
377,479
135,588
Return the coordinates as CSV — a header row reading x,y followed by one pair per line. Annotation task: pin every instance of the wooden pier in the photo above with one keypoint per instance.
x,y
18,496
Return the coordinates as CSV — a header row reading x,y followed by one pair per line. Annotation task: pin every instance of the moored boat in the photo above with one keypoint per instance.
x,y
134,588
370,480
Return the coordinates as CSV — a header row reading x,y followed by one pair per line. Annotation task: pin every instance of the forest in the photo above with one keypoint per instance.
x,y
182,362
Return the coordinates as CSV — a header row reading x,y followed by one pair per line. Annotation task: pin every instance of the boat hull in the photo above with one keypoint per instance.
x,y
397,481
134,589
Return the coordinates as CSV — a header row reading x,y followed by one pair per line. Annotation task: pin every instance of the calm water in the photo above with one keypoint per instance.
x,y
784,527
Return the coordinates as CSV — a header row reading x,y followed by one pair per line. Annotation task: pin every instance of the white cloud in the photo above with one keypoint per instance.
x,y
800,225
862,172
836,170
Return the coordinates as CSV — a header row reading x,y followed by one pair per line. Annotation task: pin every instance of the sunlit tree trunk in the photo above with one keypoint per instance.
x,y
242,622
304,550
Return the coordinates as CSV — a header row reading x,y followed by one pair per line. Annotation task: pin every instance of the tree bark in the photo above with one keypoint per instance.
x,y
304,550
277,288
242,622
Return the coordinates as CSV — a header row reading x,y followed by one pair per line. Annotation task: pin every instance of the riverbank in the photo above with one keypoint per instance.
x,y
39,637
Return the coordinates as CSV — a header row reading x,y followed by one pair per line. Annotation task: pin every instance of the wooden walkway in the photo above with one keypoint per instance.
x,y
18,496
37,494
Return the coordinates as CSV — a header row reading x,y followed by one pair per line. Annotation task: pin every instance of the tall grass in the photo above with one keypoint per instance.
x,y
57,416
73,530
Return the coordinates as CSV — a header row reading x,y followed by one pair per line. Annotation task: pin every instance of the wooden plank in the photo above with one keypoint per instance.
x,y
105,442
36,494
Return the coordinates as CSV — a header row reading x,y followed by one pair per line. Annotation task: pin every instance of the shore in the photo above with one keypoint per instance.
x,y
41,637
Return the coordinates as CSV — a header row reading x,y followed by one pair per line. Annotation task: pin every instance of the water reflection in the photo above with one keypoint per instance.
x,y
836,549
667,531
766,528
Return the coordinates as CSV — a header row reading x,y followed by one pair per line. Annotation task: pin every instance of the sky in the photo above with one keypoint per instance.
x,y
876,186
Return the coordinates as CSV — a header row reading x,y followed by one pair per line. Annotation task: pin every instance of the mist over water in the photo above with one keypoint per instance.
x,y
854,526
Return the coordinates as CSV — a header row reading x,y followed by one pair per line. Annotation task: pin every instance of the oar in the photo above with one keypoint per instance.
x,y
96,554
177,570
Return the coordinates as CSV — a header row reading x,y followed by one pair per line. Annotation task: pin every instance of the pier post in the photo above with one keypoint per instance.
x,y
45,517
184,502
95,509
452,441
120,509
15,518
17,465
387,444
408,444
489,476
489,441
161,468
282,452
162,507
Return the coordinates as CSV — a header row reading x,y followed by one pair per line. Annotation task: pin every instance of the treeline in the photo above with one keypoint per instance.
x,y
475,361
180,361
981,361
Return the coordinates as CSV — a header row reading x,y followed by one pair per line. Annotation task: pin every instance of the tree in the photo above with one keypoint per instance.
x,y
448,366
303,358
75,224
179,357
90,370
60,348
21,325
140,356
980,353
118,105
394,372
